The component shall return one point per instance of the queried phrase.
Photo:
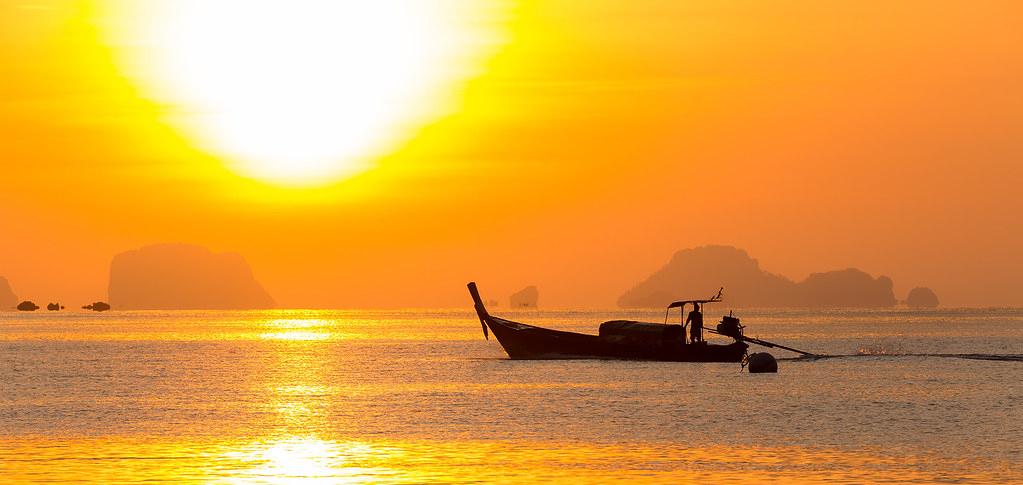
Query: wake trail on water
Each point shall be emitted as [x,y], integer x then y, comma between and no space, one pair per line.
[993,357]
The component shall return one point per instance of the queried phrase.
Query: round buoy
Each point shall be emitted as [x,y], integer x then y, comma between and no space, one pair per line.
[762,362]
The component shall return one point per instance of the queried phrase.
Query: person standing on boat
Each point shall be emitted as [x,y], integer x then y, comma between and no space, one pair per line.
[695,322]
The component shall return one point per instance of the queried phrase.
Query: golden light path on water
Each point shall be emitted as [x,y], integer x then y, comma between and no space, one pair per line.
[301,92]
[312,460]
[318,397]
[297,329]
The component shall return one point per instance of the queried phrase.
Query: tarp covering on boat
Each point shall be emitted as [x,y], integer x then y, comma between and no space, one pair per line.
[641,330]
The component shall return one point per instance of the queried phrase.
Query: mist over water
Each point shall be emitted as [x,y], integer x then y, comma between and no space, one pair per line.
[418,396]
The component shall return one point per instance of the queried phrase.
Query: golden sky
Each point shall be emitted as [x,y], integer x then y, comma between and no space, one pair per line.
[571,145]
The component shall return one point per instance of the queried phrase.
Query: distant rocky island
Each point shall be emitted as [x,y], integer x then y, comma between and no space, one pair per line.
[701,271]
[97,306]
[182,276]
[922,297]
[7,297]
[525,298]
[27,306]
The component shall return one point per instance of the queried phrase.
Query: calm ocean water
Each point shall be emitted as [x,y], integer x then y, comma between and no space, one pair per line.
[418,396]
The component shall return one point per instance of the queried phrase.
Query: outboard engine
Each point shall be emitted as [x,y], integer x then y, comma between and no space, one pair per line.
[730,326]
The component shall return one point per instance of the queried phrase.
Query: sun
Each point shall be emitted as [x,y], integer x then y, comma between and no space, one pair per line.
[300,92]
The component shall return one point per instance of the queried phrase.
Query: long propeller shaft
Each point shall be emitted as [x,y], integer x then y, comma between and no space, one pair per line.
[765,343]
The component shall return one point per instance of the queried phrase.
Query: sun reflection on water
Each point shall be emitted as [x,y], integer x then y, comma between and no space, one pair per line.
[296,336]
[298,393]
[306,460]
[297,329]
[310,459]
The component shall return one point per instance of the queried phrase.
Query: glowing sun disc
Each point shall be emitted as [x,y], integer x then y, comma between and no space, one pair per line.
[299,92]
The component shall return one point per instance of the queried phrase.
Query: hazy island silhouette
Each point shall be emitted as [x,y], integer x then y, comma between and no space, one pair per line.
[922,297]
[184,277]
[175,276]
[8,299]
[701,270]
[525,298]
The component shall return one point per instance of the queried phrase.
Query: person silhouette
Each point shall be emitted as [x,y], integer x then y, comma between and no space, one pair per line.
[695,322]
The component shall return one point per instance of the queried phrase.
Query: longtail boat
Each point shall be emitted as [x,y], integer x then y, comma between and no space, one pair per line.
[617,339]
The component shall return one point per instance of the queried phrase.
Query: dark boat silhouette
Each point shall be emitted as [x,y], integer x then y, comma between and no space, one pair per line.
[618,339]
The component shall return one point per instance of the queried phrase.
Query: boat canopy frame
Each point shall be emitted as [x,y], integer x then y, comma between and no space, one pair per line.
[681,305]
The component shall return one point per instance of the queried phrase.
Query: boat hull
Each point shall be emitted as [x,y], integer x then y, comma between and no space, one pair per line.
[523,341]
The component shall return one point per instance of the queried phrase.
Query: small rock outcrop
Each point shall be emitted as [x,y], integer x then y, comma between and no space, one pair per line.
[184,277]
[525,298]
[701,271]
[97,306]
[922,297]
[27,306]
[7,297]
[53,307]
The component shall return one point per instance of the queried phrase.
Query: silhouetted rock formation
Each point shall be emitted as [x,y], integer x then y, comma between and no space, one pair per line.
[54,307]
[97,306]
[7,297]
[525,298]
[922,297]
[181,276]
[845,288]
[27,306]
[698,272]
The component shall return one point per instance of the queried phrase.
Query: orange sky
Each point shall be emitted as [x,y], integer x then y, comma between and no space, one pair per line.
[601,137]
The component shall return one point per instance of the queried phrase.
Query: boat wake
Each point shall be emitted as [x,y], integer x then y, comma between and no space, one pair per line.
[881,348]
[993,357]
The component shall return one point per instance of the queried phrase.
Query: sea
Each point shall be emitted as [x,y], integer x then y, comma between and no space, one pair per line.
[419,396]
